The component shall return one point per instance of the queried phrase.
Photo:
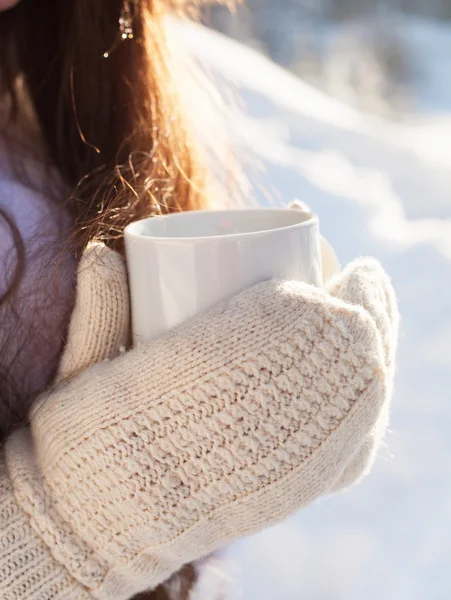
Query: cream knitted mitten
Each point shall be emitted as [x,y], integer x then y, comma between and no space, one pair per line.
[99,325]
[224,426]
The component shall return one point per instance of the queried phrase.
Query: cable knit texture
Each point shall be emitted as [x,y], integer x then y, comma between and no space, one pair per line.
[224,426]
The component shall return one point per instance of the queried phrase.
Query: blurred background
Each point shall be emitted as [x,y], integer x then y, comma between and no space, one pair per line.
[384,56]
[346,105]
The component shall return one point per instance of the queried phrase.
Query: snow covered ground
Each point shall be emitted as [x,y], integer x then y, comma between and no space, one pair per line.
[383,189]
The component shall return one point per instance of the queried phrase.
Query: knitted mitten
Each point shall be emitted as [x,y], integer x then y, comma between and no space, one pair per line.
[224,426]
[99,326]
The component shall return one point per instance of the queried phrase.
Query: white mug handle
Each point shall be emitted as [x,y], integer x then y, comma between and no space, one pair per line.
[331,266]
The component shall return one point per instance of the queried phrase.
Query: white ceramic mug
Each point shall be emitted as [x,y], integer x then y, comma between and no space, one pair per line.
[182,264]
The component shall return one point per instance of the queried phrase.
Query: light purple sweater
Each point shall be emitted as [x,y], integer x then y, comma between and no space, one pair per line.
[33,321]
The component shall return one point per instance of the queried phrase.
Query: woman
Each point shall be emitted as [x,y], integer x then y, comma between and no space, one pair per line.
[118,468]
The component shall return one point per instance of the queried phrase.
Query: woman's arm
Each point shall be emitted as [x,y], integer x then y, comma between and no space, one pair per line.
[226,425]
[98,330]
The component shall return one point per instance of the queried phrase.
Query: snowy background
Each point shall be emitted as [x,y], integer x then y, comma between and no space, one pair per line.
[378,174]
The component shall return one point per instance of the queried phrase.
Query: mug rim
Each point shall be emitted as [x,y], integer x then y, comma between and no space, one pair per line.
[310,219]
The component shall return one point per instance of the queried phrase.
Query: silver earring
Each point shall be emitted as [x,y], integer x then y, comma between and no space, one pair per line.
[125,27]
[126,22]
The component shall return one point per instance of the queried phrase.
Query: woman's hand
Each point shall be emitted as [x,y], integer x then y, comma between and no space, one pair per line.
[224,426]
[100,322]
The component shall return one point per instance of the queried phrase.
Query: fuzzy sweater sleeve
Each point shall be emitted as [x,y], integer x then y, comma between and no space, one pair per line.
[27,568]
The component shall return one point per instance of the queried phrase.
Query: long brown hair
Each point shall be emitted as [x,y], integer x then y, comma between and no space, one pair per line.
[111,125]
[109,118]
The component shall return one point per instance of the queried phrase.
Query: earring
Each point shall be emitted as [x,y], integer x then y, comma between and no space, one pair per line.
[125,27]
[126,22]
